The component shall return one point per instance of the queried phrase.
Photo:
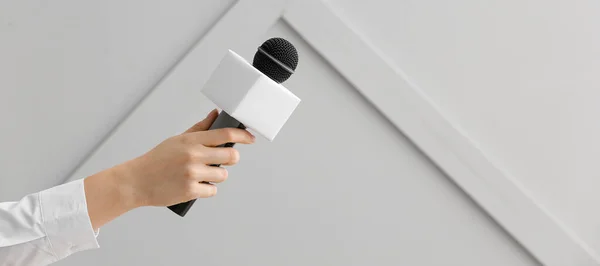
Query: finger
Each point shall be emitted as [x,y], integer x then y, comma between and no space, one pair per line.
[211,174]
[204,190]
[204,124]
[221,155]
[220,136]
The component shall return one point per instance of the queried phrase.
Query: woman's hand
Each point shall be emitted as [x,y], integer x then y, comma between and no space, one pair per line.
[170,173]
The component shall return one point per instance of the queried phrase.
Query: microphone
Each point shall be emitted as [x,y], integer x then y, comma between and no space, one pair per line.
[251,96]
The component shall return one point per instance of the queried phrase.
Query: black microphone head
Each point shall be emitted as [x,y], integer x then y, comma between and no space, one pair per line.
[276,58]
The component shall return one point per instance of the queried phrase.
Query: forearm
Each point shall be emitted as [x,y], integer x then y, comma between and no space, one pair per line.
[50,225]
[109,195]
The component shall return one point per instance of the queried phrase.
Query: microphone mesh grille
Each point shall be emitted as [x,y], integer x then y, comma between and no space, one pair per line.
[283,51]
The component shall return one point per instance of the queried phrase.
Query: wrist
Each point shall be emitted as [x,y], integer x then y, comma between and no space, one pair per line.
[123,178]
[109,195]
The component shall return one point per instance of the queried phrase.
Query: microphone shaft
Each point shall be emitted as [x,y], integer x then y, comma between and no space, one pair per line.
[224,120]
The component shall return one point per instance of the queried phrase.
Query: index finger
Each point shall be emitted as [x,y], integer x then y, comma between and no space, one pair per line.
[215,137]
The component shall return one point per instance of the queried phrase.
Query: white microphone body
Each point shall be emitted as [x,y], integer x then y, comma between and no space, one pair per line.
[250,96]
[249,99]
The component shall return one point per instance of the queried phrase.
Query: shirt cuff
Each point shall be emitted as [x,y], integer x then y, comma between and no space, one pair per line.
[66,219]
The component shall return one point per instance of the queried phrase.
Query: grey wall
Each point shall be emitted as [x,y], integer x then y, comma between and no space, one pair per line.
[520,77]
[71,70]
[351,193]
[354,192]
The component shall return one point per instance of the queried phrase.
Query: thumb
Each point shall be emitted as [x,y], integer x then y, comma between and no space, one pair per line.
[204,124]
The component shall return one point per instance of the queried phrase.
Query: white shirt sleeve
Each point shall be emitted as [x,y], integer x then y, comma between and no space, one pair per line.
[45,227]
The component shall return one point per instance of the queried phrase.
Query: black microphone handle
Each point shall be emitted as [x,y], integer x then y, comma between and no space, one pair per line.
[224,120]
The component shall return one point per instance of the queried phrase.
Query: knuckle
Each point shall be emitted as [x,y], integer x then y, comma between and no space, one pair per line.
[234,156]
[188,157]
[195,154]
[190,172]
[185,139]
[223,173]
[206,191]
[229,133]
[190,191]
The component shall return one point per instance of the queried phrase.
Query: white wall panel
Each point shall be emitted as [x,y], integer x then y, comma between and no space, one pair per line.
[519,77]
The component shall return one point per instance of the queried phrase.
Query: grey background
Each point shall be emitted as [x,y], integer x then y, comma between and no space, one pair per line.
[71,70]
[520,77]
[351,193]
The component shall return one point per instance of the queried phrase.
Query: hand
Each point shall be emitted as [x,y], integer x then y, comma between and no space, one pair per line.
[168,174]
[172,172]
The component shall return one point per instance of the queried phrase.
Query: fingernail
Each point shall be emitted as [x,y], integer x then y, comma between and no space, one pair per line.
[211,112]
